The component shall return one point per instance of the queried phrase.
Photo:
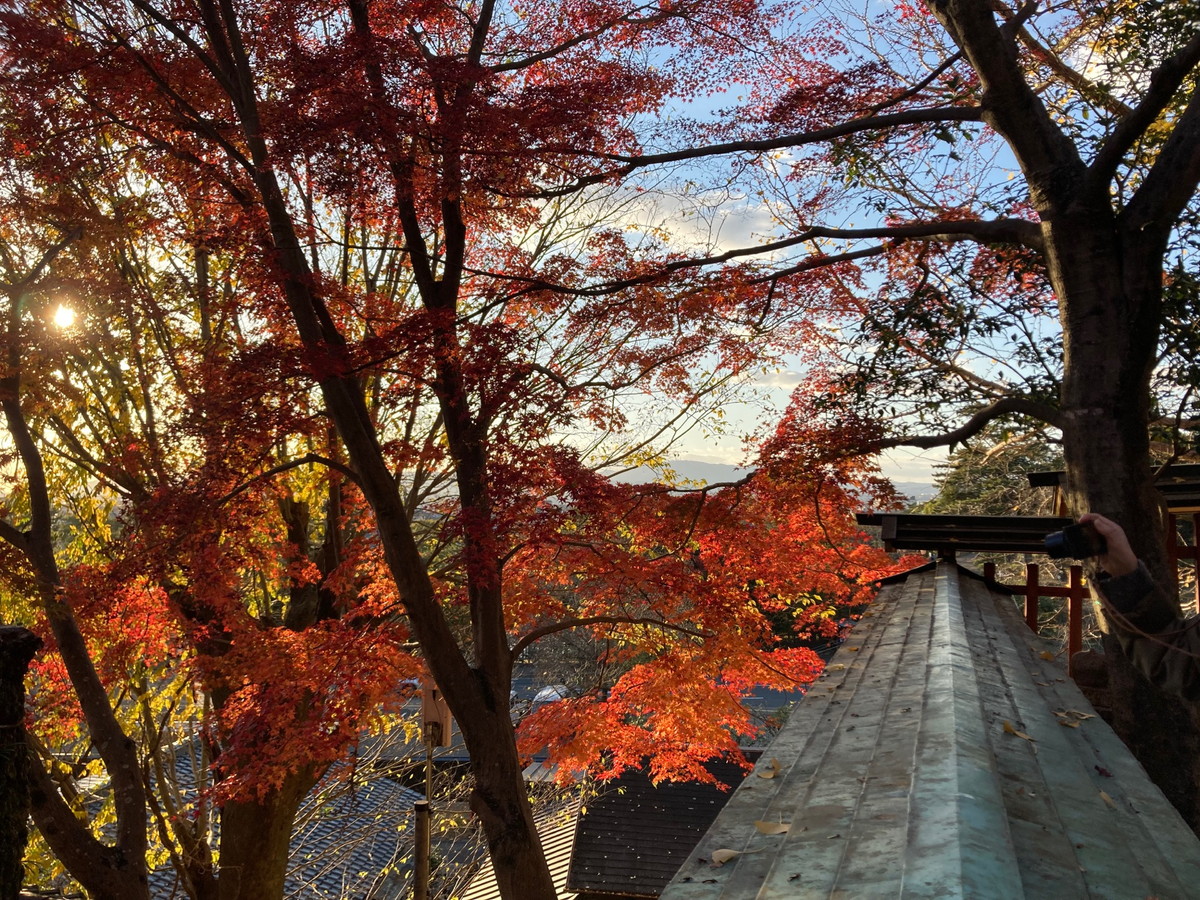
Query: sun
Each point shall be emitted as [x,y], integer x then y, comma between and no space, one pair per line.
[64,316]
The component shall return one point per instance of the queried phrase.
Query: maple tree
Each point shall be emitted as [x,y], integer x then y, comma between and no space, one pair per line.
[178,568]
[1008,192]
[388,308]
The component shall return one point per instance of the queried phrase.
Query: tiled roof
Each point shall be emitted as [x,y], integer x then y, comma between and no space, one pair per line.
[556,828]
[349,842]
[349,837]
[634,835]
[932,761]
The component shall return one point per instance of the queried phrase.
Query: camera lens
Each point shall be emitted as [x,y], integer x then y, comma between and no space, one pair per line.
[1056,546]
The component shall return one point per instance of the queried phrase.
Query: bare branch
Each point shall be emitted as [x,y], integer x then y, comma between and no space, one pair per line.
[567,624]
[293,464]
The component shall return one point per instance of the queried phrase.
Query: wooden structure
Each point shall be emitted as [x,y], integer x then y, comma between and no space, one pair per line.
[948,535]
[944,754]
[1179,487]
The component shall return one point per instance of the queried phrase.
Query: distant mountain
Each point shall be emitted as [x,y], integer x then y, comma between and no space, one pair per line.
[718,473]
[689,469]
[916,491]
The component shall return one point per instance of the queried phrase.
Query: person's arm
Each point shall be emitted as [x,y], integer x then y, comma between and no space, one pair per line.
[1161,645]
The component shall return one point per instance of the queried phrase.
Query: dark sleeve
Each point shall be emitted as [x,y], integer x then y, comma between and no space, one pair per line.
[1161,645]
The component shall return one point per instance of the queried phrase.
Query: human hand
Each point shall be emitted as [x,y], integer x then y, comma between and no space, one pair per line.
[1119,559]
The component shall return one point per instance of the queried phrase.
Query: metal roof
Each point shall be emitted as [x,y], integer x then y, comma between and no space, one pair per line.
[350,834]
[945,754]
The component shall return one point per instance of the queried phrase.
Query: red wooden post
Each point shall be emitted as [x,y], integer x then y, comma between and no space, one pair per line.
[1031,596]
[1173,544]
[1195,558]
[1075,614]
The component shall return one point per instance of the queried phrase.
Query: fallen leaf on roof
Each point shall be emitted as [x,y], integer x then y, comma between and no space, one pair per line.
[1009,729]
[772,770]
[720,857]
[1071,718]
[1046,654]
[1107,799]
[772,827]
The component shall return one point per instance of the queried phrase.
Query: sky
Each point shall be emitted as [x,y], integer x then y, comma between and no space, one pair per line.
[742,225]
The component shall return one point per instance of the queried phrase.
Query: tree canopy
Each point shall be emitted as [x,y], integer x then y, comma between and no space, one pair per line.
[363,324]
[359,336]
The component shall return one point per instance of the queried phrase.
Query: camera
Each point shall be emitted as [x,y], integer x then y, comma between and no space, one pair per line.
[1076,542]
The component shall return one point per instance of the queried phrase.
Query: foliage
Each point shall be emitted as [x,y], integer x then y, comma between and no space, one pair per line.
[351,347]
[988,475]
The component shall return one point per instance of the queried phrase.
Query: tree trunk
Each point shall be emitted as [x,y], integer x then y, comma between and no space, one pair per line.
[17,646]
[1109,293]
[501,801]
[255,840]
[478,697]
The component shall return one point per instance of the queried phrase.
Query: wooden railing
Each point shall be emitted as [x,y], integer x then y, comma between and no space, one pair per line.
[1075,591]
[1177,550]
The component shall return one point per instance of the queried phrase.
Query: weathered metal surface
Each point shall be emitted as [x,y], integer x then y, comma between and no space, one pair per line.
[931,761]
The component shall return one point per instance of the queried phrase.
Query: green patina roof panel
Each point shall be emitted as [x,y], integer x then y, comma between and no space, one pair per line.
[906,773]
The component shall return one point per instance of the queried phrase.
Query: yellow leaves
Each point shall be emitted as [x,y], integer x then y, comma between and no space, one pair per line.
[1047,655]
[772,770]
[1009,729]
[720,857]
[1070,718]
[772,827]
[1109,801]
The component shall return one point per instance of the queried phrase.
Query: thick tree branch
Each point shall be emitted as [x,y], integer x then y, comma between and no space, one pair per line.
[567,624]
[1171,183]
[917,88]
[998,231]
[39,268]
[13,535]
[1052,60]
[1005,406]
[817,136]
[591,34]
[288,466]
[1164,83]
[1009,103]
[117,477]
